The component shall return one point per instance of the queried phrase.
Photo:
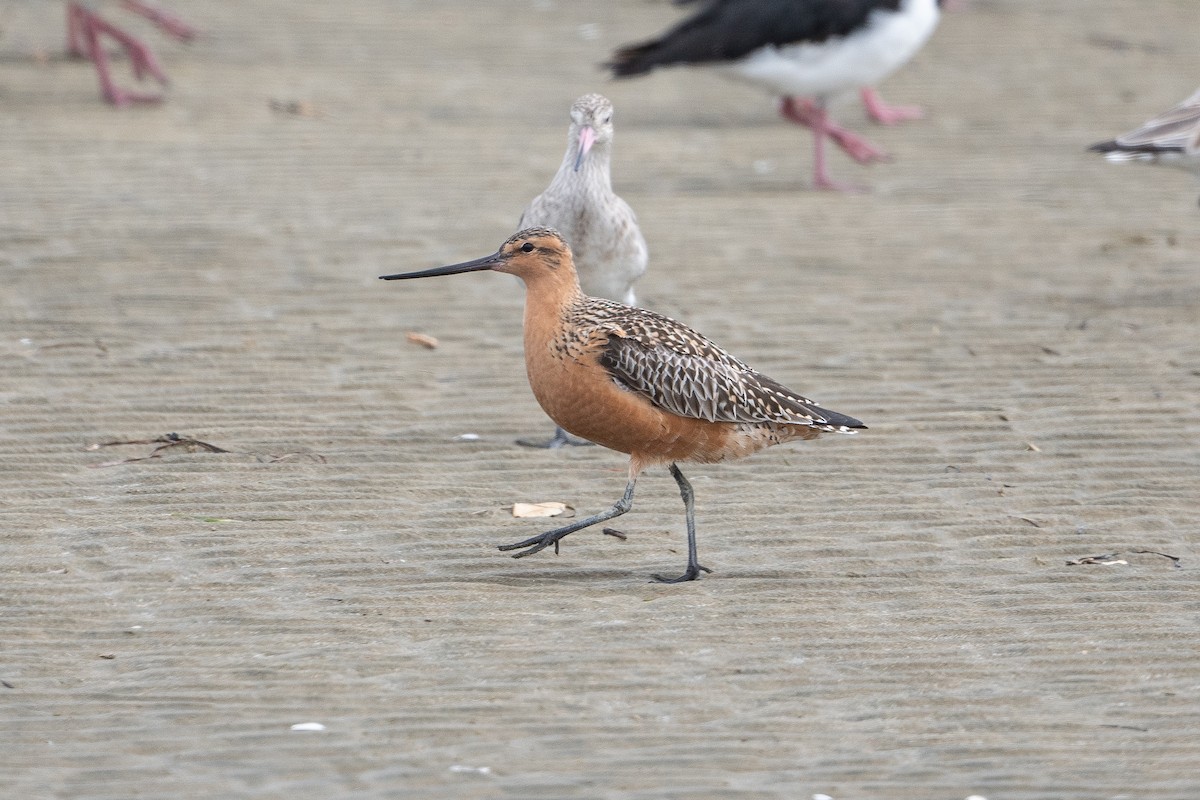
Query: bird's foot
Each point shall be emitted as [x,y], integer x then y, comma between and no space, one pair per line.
[855,146]
[692,573]
[84,29]
[827,184]
[165,20]
[803,111]
[561,439]
[535,544]
[884,114]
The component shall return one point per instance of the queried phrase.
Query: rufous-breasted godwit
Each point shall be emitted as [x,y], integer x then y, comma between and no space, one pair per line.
[610,252]
[85,27]
[805,52]
[638,382]
[1172,138]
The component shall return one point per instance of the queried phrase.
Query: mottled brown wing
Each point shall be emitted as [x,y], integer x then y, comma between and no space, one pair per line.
[682,372]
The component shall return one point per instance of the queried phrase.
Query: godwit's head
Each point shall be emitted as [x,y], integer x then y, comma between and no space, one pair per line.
[591,125]
[538,256]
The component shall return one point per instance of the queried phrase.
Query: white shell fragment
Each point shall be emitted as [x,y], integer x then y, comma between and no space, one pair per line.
[476,770]
[423,339]
[551,509]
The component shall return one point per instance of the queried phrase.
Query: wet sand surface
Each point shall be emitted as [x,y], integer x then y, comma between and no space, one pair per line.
[890,615]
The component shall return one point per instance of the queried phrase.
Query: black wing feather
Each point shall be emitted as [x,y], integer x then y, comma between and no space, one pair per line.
[725,30]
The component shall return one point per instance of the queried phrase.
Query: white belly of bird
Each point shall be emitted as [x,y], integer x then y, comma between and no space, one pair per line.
[863,58]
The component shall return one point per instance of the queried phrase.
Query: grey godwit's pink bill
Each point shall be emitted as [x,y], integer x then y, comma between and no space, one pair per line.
[587,138]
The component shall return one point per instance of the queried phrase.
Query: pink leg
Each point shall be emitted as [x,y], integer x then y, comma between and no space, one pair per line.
[84,28]
[813,115]
[170,23]
[810,115]
[821,178]
[76,42]
[884,114]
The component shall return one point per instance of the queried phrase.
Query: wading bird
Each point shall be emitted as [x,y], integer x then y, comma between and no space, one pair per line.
[638,382]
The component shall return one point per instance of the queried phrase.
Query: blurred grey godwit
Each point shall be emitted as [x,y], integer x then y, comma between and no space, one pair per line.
[85,27]
[610,252]
[1172,138]
[797,50]
[638,382]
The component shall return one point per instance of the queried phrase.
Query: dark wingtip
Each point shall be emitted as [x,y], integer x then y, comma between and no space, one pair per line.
[630,60]
[841,421]
[1104,147]
[619,68]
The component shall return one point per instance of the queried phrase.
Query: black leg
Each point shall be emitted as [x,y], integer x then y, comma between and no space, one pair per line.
[693,568]
[542,541]
[561,439]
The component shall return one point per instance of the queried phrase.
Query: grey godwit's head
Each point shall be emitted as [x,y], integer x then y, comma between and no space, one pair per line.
[535,255]
[591,125]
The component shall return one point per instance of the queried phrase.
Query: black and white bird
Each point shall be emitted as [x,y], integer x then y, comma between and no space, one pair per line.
[806,52]
[1172,139]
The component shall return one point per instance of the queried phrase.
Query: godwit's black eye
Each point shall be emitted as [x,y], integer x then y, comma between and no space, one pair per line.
[527,247]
